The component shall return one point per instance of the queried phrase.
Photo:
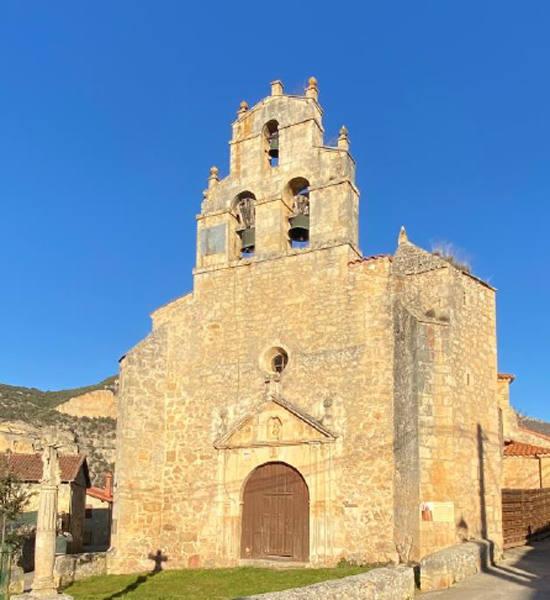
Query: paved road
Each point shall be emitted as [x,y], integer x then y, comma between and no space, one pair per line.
[524,574]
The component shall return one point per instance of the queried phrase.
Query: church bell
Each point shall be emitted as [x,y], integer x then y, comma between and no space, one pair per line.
[274,145]
[248,238]
[299,228]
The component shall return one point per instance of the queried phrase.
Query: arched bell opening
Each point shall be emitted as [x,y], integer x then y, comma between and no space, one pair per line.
[271,142]
[244,211]
[275,516]
[298,231]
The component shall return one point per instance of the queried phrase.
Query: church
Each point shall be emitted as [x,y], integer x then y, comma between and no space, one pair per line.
[304,403]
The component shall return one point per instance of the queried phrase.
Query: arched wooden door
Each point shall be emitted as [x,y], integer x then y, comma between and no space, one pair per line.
[275,522]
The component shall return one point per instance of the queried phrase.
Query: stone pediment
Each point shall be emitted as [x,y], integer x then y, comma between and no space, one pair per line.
[275,423]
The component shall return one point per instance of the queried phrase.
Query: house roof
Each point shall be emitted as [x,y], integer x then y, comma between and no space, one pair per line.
[514,448]
[100,494]
[28,467]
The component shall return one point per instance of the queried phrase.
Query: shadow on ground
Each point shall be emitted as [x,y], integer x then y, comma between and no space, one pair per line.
[524,574]
[158,558]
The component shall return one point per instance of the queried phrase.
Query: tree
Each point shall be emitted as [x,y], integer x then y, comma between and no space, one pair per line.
[13,498]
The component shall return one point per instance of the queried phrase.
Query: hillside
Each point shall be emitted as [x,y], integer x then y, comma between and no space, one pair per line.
[536,425]
[27,415]
[32,399]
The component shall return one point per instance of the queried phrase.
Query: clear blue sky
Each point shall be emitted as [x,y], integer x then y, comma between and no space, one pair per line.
[111,114]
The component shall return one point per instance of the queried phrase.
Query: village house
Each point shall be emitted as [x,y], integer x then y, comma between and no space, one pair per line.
[526,473]
[526,452]
[305,403]
[98,518]
[526,466]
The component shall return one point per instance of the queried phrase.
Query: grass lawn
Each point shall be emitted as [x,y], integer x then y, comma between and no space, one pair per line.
[202,584]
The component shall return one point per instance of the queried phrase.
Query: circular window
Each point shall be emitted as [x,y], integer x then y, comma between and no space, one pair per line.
[274,360]
[279,361]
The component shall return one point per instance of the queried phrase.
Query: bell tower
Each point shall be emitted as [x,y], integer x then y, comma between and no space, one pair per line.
[286,192]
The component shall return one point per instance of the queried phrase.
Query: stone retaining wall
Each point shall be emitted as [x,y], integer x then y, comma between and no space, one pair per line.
[387,583]
[446,567]
[72,567]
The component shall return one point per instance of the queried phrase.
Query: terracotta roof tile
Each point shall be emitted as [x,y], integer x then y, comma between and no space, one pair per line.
[100,494]
[520,449]
[28,467]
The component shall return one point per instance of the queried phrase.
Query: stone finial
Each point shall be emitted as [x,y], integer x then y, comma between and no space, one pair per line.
[343,138]
[222,424]
[273,386]
[213,177]
[402,239]
[312,90]
[243,107]
[327,406]
[277,88]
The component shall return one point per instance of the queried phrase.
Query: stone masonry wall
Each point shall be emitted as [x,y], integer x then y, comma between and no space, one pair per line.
[509,416]
[137,511]
[455,375]
[526,472]
[335,327]
[406,432]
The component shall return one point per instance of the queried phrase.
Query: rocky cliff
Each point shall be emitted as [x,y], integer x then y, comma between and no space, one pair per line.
[28,415]
[94,404]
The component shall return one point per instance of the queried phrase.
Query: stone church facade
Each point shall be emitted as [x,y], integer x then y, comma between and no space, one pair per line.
[305,403]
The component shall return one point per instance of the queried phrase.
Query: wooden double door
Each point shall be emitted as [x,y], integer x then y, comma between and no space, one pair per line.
[275,521]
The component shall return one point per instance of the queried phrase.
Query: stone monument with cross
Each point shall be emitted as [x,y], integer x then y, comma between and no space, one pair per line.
[44,584]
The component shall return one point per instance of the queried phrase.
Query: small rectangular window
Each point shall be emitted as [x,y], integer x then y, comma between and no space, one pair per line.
[501,427]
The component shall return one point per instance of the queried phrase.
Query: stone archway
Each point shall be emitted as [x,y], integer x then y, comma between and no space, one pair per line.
[275,516]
